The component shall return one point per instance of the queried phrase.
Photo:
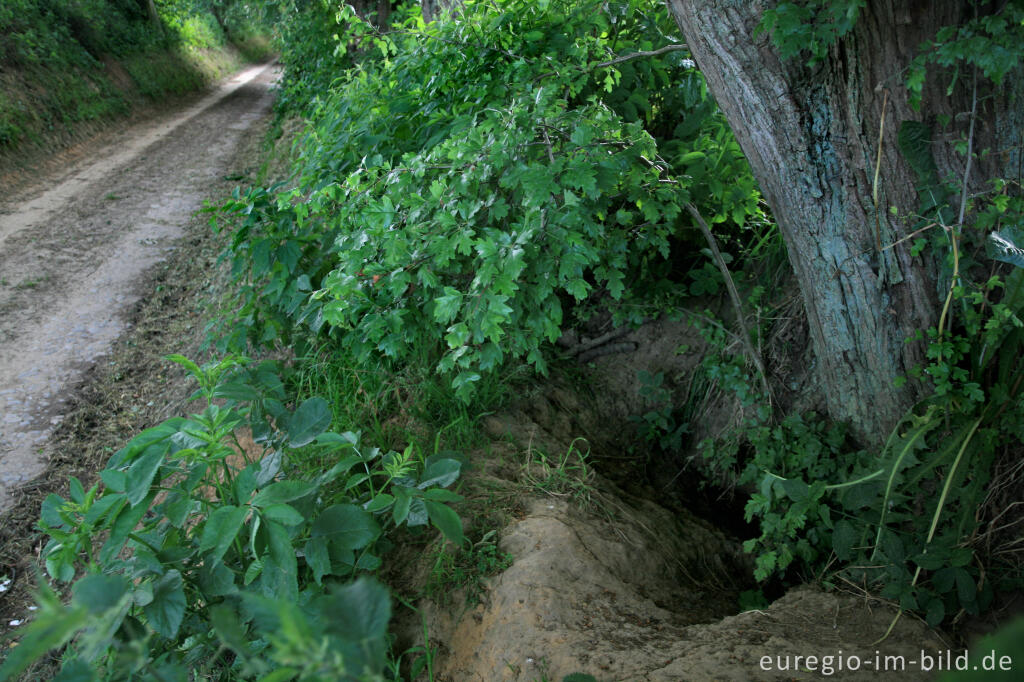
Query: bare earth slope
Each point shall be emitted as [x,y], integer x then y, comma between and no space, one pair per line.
[72,256]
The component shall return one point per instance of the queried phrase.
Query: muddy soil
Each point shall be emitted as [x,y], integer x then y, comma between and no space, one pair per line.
[73,256]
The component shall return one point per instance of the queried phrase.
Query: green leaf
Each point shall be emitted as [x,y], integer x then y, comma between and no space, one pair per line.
[142,472]
[966,589]
[167,609]
[122,527]
[188,364]
[317,558]
[441,495]
[447,307]
[843,538]
[230,629]
[312,418]
[51,509]
[285,514]
[1005,245]
[283,491]
[346,526]
[220,531]
[49,631]
[236,391]
[440,472]
[145,440]
[795,489]
[279,579]
[403,500]
[379,503]
[359,610]
[930,561]
[216,580]
[253,571]
[418,515]
[892,547]
[99,592]
[446,520]
[75,670]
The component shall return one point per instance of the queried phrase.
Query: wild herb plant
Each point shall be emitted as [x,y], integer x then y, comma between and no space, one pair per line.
[196,553]
[903,520]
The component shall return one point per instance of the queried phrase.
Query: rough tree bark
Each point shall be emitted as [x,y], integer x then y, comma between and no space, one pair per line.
[375,11]
[154,18]
[432,8]
[811,136]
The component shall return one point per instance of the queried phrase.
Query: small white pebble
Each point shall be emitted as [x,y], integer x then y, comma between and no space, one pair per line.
[14,623]
[529,660]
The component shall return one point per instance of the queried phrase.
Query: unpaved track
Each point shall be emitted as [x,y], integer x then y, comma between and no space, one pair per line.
[72,257]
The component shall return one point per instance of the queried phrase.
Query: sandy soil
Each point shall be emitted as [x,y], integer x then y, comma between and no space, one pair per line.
[74,252]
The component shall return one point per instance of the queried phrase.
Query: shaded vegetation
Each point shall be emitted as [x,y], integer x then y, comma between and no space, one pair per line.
[69,63]
[466,191]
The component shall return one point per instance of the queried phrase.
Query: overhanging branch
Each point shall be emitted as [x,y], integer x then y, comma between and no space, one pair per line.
[638,55]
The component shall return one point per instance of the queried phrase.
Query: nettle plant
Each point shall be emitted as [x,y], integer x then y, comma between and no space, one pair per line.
[198,554]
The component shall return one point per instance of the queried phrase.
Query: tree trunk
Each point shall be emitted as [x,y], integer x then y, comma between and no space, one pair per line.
[432,8]
[374,11]
[154,18]
[811,135]
[217,10]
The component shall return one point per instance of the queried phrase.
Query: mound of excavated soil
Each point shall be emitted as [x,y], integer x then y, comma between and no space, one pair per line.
[622,588]
[621,601]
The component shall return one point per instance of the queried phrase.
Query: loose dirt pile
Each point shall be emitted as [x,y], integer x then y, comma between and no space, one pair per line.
[612,584]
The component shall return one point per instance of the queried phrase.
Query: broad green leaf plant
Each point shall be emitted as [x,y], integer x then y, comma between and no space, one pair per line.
[194,553]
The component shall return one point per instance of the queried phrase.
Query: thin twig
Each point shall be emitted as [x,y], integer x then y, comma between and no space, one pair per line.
[730,285]
[909,236]
[604,338]
[638,55]
[878,168]
[970,149]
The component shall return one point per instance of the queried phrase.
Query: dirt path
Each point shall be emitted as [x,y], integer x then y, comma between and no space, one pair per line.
[72,256]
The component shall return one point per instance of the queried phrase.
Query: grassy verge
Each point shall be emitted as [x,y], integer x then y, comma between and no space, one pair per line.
[45,109]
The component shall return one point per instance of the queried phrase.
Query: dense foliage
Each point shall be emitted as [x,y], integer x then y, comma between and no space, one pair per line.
[58,54]
[195,546]
[465,190]
[488,176]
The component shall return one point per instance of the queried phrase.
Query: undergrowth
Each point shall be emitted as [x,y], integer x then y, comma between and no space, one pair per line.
[63,62]
[466,190]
